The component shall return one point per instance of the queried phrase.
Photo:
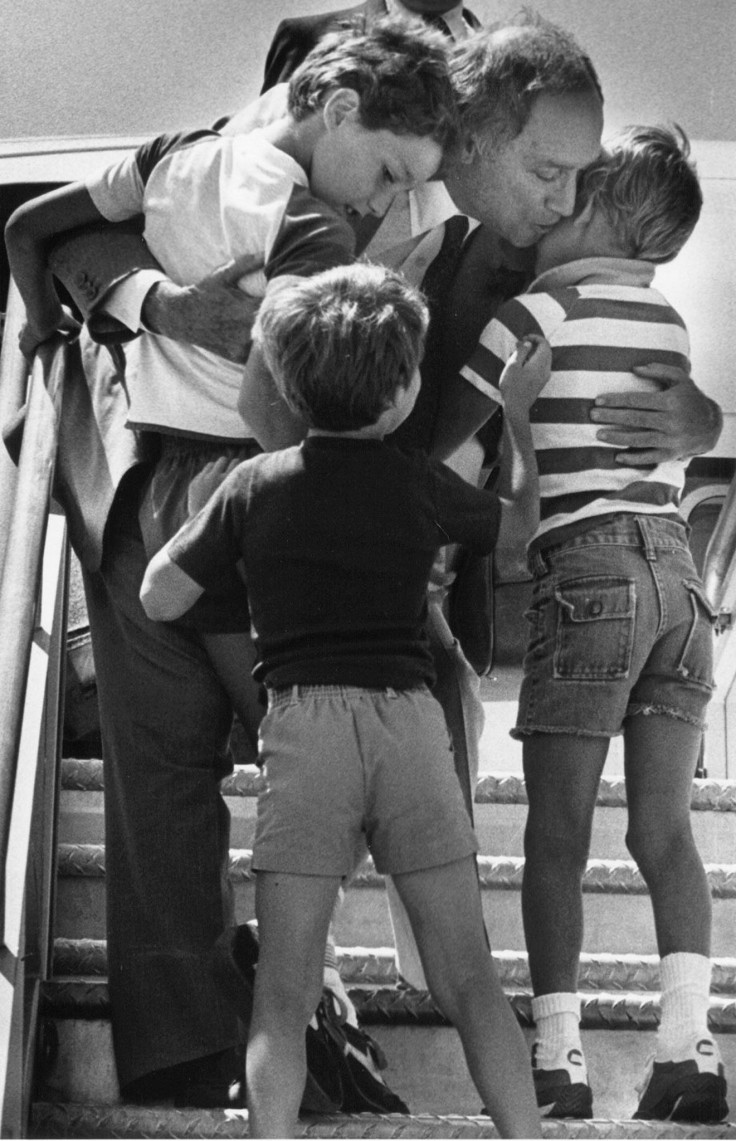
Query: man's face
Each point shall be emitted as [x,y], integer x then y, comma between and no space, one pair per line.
[357,170]
[523,187]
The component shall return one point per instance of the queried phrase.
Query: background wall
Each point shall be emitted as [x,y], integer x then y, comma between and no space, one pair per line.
[134,67]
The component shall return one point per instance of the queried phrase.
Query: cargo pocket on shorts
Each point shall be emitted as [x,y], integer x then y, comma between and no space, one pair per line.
[595,628]
[696,661]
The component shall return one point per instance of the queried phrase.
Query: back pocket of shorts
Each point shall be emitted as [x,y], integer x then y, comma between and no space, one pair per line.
[595,628]
[696,661]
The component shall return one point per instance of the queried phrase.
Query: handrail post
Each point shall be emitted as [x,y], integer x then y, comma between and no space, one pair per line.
[13,382]
[721,550]
[22,570]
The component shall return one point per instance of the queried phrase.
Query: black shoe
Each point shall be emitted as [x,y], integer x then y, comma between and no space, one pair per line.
[691,1088]
[562,1090]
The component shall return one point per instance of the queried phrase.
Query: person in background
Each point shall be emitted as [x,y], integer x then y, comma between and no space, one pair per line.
[621,628]
[295,37]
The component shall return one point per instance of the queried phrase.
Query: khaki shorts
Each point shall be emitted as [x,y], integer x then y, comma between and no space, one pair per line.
[345,766]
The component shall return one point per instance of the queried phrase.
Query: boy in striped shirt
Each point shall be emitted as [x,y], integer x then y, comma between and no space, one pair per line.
[621,630]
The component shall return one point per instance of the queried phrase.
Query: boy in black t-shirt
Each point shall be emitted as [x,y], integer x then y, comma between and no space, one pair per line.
[337,538]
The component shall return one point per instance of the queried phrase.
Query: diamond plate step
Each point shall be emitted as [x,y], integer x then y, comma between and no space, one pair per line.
[52,1120]
[617,910]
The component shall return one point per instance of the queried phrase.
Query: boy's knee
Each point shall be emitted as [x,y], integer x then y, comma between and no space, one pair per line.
[658,849]
[563,842]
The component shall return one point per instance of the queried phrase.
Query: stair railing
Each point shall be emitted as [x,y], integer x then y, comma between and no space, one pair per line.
[33,574]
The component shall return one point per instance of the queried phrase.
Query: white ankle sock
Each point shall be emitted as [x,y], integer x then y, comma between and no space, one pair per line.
[685,982]
[557,1017]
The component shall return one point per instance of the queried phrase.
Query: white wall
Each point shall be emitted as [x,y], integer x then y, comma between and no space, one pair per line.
[132,67]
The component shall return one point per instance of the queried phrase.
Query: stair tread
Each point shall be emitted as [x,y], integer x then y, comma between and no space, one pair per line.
[499,872]
[709,794]
[63,1119]
[376,966]
[88,999]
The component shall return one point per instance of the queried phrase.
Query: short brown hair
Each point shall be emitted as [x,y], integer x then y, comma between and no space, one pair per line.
[400,70]
[340,344]
[648,189]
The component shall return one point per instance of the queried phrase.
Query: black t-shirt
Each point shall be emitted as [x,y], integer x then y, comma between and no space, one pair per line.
[337,538]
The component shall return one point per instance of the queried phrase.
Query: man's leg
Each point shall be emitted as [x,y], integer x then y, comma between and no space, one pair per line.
[165,723]
[293,915]
[562,774]
[661,755]
[444,906]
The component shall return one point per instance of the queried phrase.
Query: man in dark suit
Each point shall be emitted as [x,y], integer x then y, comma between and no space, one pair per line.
[296,37]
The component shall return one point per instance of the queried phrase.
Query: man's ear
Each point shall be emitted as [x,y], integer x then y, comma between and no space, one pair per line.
[340,104]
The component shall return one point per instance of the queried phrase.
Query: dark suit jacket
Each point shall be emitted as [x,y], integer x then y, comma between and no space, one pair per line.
[295,38]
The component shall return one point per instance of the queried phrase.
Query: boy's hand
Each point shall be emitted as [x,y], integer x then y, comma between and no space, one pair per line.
[33,335]
[674,423]
[526,373]
[213,314]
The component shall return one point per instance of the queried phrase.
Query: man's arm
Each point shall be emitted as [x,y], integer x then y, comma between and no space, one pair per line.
[167,591]
[675,423]
[28,233]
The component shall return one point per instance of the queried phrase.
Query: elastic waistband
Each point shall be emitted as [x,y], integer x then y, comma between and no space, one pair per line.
[288,694]
[650,533]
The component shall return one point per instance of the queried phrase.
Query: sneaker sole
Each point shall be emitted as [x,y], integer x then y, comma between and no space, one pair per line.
[572,1101]
[700,1097]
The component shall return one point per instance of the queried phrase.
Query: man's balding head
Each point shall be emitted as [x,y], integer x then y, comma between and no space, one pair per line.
[531,113]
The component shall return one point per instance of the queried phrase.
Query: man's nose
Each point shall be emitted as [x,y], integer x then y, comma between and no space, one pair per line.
[380,200]
[562,198]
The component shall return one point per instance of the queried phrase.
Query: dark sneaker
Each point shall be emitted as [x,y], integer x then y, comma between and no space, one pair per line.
[692,1087]
[361,1062]
[562,1088]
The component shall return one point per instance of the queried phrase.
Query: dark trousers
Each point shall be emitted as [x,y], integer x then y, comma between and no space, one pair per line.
[165,725]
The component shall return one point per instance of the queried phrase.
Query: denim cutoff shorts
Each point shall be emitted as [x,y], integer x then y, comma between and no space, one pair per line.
[344,766]
[619,625]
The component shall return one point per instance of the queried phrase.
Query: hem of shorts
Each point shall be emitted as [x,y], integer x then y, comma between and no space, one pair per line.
[425,864]
[288,868]
[655,709]
[520,731]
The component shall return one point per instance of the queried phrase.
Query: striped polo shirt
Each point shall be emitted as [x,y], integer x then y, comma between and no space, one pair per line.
[207,199]
[602,317]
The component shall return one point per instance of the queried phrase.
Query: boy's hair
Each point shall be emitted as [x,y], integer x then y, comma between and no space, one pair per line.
[400,70]
[340,344]
[500,72]
[647,189]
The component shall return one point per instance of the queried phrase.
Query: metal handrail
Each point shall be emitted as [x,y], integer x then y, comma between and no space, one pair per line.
[13,382]
[21,573]
[721,551]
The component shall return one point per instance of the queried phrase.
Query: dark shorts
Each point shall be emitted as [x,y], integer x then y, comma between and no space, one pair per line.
[620,624]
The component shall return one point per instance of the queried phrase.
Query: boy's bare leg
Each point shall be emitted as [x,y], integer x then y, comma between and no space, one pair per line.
[293,915]
[660,756]
[562,774]
[444,907]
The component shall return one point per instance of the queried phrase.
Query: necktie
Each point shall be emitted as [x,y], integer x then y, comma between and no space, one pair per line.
[418,429]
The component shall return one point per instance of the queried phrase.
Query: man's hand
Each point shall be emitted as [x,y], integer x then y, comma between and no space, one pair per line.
[213,314]
[672,424]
